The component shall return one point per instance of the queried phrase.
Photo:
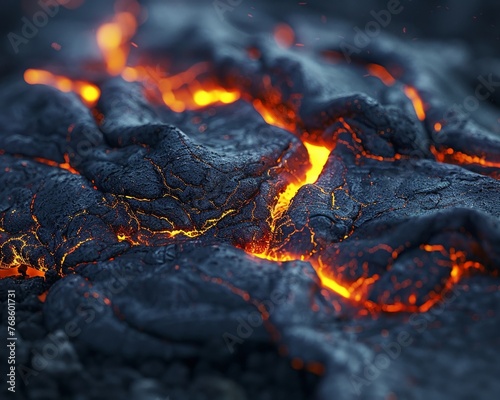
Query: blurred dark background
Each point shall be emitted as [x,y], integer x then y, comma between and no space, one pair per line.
[475,22]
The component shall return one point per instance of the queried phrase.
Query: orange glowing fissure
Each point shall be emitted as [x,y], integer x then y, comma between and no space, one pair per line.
[318,156]
[182,91]
[356,291]
[459,267]
[415,98]
[456,260]
[276,114]
[16,271]
[444,155]
[88,92]
[191,90]
[457,157]
[386,77]
[381,73]
[65,165]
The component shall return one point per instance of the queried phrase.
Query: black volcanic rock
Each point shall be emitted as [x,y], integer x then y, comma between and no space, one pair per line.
[139,220]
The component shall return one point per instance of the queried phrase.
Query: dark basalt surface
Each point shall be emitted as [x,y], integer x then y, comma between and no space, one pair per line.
[139,216]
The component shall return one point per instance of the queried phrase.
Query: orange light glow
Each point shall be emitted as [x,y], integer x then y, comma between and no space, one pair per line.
[113,38]
[274,109]
[452,156]
[203,98]
[355,291]
[109,36]
[87,91]
[16,271]
[460,266]
[90,93]
[43,296]
[437,126]
[65,165]
[284,35]
[381,73]
[182,91]
[418,104]
[318,156]
[331,283]
[271,116]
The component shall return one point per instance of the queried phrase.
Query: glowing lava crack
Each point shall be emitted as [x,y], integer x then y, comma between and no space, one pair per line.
[288,160]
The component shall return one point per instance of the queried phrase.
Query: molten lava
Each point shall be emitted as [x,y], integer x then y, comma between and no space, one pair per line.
[65,165]
[318,156]
[88,92]
[196,88]
[452,156]
[284,35]
[183,91]
[381,73]
[388,79]
[415,98]
[114,37]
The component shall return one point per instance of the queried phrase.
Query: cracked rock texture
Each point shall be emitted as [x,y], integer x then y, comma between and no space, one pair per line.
[129,225]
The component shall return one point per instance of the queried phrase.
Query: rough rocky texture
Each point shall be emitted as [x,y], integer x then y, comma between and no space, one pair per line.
[140,220]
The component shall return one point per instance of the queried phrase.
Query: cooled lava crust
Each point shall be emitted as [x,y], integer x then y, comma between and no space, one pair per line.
[277,240]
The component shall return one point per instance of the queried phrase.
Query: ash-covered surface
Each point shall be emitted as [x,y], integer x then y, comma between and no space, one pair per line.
[144,223]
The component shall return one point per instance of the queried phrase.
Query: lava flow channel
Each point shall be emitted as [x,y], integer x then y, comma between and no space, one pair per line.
[87,91]
[194,89]
[318,156]
[183,91]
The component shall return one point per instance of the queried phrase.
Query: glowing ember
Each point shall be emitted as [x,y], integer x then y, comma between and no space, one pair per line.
[183,91]
[330,283]
[381,73]
[65,165]
[113,39]
[418,104]
[196,88]
[284,35]
[273,109]
[459,267]
[87,91]
[318,156]
[386,77]
[16,271]
[457,157]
